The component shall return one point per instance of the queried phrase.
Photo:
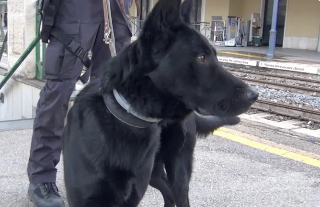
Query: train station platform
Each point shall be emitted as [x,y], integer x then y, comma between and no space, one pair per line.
[304,61]
[251,164]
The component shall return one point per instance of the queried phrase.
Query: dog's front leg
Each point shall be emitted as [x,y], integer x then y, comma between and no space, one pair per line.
[179,169]
[179,174]
[159,181]
[141,182]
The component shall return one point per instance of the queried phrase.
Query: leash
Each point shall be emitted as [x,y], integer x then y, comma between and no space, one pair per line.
[125,113]
[108,36]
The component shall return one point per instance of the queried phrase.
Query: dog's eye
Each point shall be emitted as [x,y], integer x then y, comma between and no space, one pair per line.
[201,58]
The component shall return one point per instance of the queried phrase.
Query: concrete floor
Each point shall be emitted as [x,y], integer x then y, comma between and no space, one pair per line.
[226,173]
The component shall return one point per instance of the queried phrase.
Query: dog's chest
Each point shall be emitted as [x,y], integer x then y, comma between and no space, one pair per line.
[137,146]
[151,141]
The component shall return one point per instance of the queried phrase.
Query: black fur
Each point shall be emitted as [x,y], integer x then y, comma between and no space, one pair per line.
[169,72]
[173,164]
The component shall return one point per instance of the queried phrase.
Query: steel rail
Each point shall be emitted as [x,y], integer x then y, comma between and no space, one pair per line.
[311,90]
[287,110]
[277,76]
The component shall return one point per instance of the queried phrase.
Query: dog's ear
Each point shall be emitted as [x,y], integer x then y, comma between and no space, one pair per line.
[164,15]
[169,11]
[186,10]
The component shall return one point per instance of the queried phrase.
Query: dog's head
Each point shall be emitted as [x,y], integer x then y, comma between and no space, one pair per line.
[187,66]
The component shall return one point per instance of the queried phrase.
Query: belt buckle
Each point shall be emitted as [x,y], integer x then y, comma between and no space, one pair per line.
[75,48]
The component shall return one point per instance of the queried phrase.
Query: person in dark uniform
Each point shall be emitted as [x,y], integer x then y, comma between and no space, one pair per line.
[84,21]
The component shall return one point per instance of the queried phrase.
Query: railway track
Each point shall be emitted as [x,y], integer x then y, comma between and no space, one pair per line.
[314,89]
[287,110]
[276,76]
[281,108]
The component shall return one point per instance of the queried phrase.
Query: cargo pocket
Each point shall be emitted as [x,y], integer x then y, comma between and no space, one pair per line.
[58,58]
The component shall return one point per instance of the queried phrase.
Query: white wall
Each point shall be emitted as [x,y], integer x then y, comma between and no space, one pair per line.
[21,32]
[302,24]
[20,100]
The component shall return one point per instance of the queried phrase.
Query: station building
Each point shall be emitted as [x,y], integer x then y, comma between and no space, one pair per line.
[298,21]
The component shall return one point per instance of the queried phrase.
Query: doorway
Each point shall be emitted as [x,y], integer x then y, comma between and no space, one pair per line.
[281,16]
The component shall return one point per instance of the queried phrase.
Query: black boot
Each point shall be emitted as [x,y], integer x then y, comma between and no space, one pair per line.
[45,195]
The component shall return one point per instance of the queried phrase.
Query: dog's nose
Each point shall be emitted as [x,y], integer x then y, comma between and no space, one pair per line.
[251,94]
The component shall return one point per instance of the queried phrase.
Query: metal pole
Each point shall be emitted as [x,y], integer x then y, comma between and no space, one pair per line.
[273,31]
[40,58]
[38,72]
[3,45]
[318,46]
[19,61]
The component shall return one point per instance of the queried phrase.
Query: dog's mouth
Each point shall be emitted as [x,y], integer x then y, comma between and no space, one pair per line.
[220,108]
[202,111]
[224,105]
[224,108]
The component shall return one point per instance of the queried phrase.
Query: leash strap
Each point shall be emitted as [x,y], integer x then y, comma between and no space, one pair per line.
[108,37]
[126,114]
[75,48]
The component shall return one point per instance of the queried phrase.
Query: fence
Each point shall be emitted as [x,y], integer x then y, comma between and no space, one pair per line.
[34,44]
[203,27]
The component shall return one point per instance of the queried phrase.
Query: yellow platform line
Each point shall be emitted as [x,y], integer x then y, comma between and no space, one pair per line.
[247,55]
[281,150]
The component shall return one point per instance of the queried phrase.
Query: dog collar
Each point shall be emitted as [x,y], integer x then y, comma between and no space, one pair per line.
[128,116]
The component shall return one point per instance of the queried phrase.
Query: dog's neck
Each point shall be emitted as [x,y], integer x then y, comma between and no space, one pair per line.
[127,74]
[147,105]
[153,103]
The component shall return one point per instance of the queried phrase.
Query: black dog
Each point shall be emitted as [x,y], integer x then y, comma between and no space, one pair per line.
[178,140]
[173,164]
[113,130]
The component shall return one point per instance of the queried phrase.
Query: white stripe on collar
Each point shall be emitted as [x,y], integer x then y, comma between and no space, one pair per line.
[124,104]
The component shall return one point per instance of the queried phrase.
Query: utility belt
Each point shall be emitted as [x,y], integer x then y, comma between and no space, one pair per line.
[48,9]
